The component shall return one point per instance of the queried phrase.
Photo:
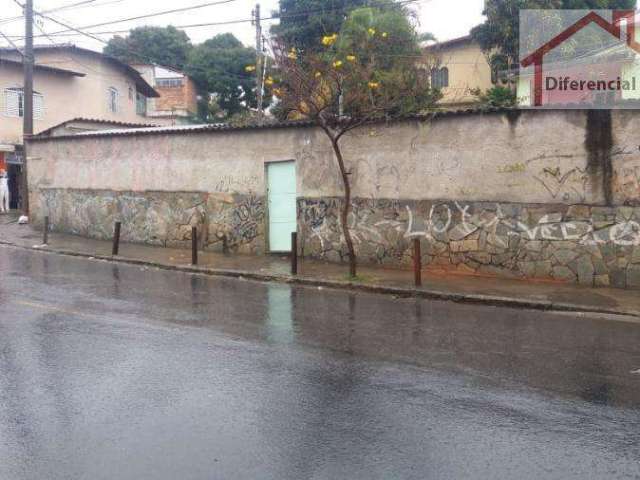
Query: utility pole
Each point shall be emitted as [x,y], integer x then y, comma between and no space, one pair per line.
[27,100]
[260,58]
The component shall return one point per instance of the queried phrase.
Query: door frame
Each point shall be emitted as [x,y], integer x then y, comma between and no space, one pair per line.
[267,228]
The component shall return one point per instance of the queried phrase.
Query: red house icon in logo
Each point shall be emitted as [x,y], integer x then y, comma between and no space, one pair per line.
[614,28]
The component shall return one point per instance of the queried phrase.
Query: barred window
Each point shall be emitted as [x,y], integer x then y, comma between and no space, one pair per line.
[14,103]
[112,99]
[440,77]
[169,82]
[141,104]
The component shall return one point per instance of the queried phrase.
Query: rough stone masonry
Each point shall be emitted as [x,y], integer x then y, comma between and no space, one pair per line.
[531,194]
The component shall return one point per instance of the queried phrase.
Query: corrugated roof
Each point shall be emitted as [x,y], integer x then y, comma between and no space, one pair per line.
[43,68]
[140,82]
[97,120]
[222,127]
[449,43]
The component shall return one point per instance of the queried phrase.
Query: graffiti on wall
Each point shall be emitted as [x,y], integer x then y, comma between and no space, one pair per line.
[455,221]
[236,222]
[574,243]
[247,219]
[237,183]
[550,227]
[321,218]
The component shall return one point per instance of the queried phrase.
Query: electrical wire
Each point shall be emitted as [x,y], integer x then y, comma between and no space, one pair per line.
[152,15]
[70,59]
[52,10]
[92,35]
[12,44]
[138,54]
[65,33]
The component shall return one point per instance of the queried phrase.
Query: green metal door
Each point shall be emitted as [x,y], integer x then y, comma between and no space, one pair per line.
[282,205]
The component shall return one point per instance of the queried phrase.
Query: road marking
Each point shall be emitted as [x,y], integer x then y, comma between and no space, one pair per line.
[52,308]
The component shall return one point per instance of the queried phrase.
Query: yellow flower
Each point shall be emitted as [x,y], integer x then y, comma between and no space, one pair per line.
[385,34]
[250,68]
[318,74]
[277,92]
[329,40]
[351,58]
[292,55]
[372,31]
[374,85]
[269,81]
[337,63]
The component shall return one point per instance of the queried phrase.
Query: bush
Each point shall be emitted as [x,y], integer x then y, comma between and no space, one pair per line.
[496,97]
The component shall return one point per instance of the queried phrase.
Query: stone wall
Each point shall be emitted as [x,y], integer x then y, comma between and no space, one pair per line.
[225,221]
[532,194]
[595,246]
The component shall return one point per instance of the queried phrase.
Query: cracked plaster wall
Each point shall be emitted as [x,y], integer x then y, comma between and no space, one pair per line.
[540,194]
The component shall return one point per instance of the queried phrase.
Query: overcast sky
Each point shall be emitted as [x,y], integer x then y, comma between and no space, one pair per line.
[445,18]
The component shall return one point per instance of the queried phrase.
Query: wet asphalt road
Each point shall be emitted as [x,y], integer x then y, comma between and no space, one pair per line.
[119,372]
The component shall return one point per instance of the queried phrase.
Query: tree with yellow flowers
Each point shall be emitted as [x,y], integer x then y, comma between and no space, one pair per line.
[356,78]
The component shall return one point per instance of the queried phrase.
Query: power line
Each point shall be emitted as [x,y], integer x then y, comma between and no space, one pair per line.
[70,6]
[222,23]
[132,52]
[150,15]
[12,44]
[73,60]
[52,10]
[92,35]
[115,32]
[66,25]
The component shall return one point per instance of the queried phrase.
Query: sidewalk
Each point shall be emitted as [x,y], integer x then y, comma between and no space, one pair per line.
[437,285]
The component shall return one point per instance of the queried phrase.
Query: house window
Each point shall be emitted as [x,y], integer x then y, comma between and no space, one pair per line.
[169,82]
[439,77]
[112,97]
[141,104]
[130,93]
[14,103]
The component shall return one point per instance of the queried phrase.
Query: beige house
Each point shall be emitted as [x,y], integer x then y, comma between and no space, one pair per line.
[69,83]
[459,66]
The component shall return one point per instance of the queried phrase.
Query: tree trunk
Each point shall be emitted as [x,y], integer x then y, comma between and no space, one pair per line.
[346,208]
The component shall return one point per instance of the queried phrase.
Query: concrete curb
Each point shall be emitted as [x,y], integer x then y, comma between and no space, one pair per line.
[430,294]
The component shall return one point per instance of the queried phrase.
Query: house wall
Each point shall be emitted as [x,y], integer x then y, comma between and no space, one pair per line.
[532,194]
[67,97]
[51,86]
[468,70]
[183,99]
[175,105]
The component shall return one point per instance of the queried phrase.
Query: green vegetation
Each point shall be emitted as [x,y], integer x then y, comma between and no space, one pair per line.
[366,72]
[218,66]
[500,34]
[164,46]
[496,97]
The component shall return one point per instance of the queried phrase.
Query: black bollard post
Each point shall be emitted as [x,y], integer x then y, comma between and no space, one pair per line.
[294,253]
[116,239]
[225,245]
[194,245]
[45,233]
[417,262]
